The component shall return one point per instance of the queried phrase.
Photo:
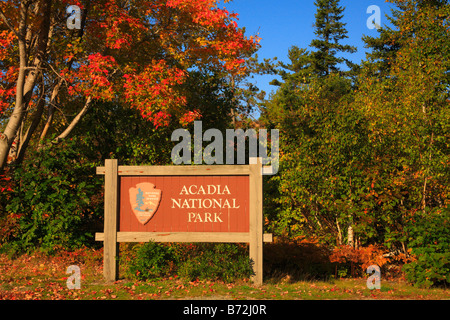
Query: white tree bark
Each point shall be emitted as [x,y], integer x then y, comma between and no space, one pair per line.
[28,74]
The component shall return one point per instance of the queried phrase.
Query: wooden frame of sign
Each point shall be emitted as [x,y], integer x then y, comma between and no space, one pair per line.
[252,232]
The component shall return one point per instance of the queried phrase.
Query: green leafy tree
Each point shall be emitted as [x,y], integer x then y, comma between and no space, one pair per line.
[358,165]
[404,94]
[430,244]
[323,140]
[321,137]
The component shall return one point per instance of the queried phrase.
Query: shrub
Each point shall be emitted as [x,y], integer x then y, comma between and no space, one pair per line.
[226,262]
[8,222]
[429,241]
[50,203]
[355,261]
[203,261]
[151,260]
[297,259]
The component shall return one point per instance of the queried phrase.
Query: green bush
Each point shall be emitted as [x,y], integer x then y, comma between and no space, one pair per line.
[203,261]
[53,204]
[226,262]
[429,239]
[152,260]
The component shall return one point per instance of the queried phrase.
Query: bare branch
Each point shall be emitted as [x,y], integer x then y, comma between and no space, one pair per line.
[74,122]
[56,72]
[5,20]
[56,107]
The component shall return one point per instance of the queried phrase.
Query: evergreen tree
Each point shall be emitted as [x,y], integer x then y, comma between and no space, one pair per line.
[304,64]
[329,31]
[383,49]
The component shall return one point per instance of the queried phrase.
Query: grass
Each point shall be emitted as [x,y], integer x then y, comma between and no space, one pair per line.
[40,277]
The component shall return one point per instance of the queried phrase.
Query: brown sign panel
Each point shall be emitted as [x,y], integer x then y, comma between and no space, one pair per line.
[184,204]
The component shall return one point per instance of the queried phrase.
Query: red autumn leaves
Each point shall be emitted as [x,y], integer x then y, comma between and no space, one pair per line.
[138,56]
[154,102]
[91,79]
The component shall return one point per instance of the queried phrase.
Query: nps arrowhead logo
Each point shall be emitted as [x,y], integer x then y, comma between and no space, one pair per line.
[144,199]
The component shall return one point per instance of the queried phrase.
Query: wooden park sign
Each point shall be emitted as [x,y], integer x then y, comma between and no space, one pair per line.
[220,203]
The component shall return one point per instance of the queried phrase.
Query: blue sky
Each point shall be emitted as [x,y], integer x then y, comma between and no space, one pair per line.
[283,23]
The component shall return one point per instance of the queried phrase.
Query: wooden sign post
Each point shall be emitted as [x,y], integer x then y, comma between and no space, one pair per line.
[221,203]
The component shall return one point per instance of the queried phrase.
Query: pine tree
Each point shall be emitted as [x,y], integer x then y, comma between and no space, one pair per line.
[305,65]
[385,46]
[330,31]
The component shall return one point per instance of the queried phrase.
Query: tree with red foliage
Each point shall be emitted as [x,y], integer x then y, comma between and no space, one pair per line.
[136,53]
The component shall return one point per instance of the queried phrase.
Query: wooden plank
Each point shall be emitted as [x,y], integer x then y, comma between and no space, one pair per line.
[110,224]
[256,219]
[225,237]
[180,170]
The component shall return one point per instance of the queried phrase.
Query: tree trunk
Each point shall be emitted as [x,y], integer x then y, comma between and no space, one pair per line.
[425,180]
[12,154]
[25,82]
[351,236]
[10,132]
[339,232]
[51,112]
[34,124]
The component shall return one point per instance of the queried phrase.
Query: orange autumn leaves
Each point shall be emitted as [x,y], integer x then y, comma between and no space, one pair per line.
[187,34]
[139,55]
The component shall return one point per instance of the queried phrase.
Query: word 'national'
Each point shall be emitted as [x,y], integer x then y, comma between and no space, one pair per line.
[204,203]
